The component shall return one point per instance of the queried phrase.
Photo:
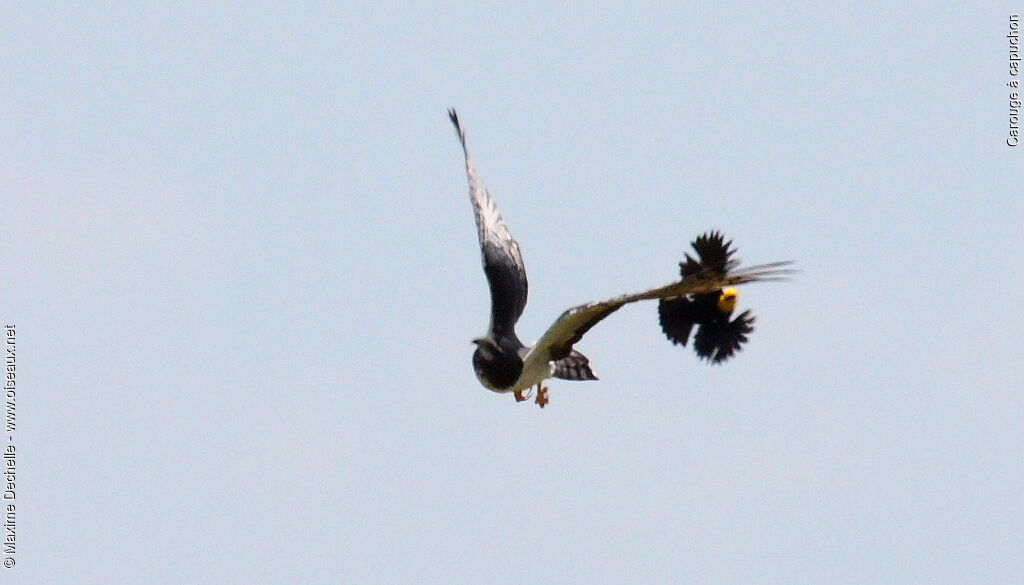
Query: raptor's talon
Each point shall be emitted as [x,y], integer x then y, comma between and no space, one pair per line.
[521,396]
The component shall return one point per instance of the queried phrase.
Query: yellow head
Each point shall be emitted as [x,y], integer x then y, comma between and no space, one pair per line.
[727,300]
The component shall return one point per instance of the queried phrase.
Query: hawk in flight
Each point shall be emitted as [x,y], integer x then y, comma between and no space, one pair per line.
[704,296]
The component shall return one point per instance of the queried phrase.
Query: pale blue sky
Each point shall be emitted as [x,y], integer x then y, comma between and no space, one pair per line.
[238,249]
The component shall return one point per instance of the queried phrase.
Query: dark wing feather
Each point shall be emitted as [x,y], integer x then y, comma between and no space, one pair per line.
[676,317]
[717,342]
[503,264]
[714,257]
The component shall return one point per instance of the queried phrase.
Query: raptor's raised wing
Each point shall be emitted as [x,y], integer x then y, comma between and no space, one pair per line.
[503,264]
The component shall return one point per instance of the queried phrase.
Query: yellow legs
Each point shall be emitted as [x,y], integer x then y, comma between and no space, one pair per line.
[542,395]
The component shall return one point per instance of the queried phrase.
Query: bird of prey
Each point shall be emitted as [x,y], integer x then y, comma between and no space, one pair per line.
[504,364]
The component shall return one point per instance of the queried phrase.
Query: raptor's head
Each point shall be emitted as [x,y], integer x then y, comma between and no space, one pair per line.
[497,369]
[486,347]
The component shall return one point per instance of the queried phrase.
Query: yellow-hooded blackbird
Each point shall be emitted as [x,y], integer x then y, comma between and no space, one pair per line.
[717,337]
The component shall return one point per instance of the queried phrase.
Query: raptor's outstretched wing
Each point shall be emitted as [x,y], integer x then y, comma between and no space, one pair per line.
[572,325]
[503,264]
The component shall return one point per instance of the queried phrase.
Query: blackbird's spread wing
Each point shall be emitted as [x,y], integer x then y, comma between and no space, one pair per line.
[714,256]
[676,317]
[503,264]
[717,342]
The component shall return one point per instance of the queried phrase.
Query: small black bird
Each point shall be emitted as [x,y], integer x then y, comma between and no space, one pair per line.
[717,338]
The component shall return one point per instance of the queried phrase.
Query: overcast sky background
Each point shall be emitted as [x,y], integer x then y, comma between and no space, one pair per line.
[240,257]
